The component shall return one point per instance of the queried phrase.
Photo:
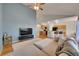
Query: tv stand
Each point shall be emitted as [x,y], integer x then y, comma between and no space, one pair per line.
[25,36]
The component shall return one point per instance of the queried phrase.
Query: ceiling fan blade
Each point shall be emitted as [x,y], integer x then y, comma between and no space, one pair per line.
[42,3]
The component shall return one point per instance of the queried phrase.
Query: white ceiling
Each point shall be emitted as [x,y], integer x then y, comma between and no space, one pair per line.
[61,9]
[66,9]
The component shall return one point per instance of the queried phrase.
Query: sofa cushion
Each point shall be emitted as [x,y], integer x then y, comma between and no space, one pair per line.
[50,49]
[42,43]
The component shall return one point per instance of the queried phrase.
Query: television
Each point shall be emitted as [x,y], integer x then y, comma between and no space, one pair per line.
[25,31]
[54,28]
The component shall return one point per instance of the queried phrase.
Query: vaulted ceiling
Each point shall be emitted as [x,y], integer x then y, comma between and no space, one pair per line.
[60,8]
[52,11]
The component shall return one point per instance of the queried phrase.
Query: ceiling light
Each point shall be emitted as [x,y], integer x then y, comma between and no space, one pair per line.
[48,22]
[56,21]
[36,7]
[38,25]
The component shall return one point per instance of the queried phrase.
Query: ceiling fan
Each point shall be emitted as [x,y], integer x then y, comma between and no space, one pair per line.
[37,6]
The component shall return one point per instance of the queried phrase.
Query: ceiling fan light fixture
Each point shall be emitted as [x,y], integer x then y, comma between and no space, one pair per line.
[36,7]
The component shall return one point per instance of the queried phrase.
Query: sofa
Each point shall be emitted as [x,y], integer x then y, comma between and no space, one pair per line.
[37,47]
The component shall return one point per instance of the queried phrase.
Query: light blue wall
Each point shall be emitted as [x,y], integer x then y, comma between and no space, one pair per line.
[16,16]
[0,26]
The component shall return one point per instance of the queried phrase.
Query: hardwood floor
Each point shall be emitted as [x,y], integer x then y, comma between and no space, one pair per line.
[6,49]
